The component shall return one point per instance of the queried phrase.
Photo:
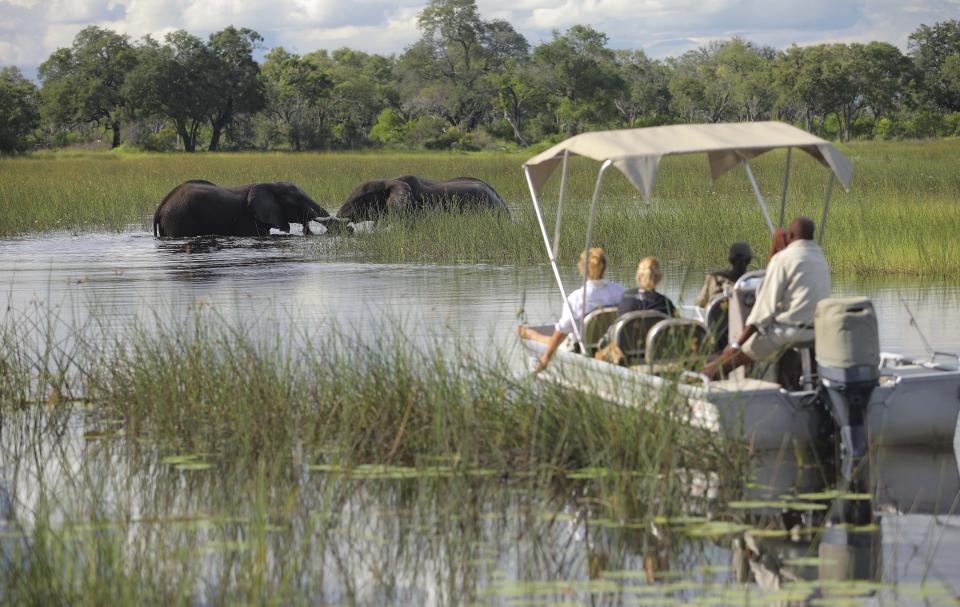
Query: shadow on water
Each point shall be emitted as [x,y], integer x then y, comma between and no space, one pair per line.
[207,258]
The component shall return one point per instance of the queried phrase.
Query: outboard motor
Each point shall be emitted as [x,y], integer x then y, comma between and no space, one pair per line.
[848,362]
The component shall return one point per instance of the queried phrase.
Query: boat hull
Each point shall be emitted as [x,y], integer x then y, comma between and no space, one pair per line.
[913,406]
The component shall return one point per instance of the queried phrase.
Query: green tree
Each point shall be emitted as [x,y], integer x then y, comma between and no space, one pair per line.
[235,78]
[932,47]
[19,114]
[294,87]
[84,84]
[447,71]
[174,80]
[518,98]
[951,74]
[819,81]
[743,74]
[364,84]
[886,77]
[579,73]
[646,93]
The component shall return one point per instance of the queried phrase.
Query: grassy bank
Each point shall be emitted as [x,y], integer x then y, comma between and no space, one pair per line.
[901,216]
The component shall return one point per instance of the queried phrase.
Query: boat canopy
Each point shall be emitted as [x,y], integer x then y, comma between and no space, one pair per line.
[637,152]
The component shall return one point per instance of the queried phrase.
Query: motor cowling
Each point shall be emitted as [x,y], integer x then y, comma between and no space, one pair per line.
[848,363]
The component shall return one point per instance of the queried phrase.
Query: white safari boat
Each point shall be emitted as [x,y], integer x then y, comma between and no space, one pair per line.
[854,390]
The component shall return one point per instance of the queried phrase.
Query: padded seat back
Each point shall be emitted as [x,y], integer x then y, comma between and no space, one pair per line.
[717,317]
[679,340]
[630,332]
[595,326]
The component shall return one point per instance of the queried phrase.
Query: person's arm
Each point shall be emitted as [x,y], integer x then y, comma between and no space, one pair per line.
[703,298]
[778,242]
[746,334]
[555,341]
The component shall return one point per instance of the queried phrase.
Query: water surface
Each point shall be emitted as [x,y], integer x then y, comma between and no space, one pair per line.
[389,539]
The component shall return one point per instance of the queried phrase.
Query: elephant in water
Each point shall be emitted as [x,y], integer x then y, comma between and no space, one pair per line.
[410,194]
[201,208]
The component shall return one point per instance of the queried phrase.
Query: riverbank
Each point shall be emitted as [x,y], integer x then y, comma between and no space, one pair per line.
[901,216]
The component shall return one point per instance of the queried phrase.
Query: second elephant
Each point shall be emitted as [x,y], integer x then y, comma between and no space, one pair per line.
[411,194]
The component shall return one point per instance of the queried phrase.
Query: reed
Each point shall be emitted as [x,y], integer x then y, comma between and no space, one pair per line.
[186,461]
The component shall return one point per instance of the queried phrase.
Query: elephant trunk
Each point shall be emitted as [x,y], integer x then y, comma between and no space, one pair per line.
[335,225]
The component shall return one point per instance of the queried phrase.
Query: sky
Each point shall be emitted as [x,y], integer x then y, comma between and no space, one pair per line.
[32,29]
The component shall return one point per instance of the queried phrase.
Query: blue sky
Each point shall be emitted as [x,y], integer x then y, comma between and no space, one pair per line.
[31,29]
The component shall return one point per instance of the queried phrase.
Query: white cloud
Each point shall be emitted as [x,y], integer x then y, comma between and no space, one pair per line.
[31,29]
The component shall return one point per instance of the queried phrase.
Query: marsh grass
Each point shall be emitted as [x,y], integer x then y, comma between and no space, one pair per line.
[901,216]
[211,466]
[200,385]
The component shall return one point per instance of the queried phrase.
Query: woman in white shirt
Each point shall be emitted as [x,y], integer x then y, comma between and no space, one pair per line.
[600,293]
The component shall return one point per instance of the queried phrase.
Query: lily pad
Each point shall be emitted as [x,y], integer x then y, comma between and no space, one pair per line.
[808,561]
[831,495]
[717,529]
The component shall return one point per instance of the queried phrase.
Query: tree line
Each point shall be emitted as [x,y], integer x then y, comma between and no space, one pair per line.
[467,83]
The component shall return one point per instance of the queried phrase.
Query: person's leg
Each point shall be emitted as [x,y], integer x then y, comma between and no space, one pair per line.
[528,333]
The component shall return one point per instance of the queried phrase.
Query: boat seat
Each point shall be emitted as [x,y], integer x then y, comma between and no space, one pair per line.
[796,368]
[630,332]
[680,341]
[595,326]
[717,316]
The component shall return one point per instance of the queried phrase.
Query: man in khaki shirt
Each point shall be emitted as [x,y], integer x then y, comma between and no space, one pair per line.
[796,279]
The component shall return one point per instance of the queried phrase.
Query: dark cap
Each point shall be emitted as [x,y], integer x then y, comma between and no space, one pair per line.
[740,250]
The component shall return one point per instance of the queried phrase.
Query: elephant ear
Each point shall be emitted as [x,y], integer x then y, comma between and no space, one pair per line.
[400,200]
[265,206]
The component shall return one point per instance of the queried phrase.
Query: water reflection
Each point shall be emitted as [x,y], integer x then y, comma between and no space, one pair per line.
[399,537]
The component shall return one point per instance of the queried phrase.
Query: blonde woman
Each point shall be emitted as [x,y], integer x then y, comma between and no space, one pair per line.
[645,296]
[600,293]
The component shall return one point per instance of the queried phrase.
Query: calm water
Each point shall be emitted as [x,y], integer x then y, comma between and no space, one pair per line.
[394,541]
[119,276]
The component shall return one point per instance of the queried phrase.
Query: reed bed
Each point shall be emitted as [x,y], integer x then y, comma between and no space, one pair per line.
[184,460]
[199,384]
[901,216]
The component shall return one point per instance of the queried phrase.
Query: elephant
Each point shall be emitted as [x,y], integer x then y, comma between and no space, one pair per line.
[201,208]
[410,194]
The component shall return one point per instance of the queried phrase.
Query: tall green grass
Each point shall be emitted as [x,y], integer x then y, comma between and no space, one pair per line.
[201,385]
[215,467]
[902,215]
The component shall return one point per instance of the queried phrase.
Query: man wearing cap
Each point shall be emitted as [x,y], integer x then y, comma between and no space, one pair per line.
[796,279]
[718,283]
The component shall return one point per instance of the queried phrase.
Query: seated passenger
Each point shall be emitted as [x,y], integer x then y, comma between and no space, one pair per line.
[600,293]
[718,283]
[797,278]
[645,296]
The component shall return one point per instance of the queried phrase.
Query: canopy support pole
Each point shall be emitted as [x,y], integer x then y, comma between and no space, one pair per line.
[786,181]
[826,204]
[563,191]
[586,250]
[756,192]
[546,242]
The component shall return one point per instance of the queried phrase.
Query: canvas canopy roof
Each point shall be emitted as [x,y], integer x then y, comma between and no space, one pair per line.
[637,152]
